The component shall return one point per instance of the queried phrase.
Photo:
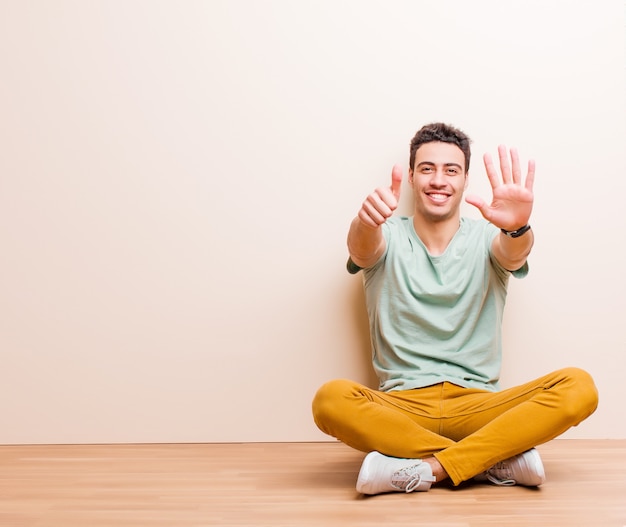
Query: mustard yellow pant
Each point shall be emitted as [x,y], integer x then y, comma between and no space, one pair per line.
[467,430]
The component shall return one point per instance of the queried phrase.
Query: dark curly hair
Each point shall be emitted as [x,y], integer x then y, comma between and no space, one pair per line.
[443,133]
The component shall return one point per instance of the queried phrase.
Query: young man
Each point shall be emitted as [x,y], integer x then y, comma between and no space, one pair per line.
[435,287]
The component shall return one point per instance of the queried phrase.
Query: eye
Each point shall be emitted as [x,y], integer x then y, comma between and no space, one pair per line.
[427,170]
[453,171]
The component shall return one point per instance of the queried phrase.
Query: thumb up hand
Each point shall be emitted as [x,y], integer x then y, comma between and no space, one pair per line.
[381,203]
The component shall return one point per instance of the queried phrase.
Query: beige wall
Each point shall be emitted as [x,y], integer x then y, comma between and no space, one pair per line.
[177,178]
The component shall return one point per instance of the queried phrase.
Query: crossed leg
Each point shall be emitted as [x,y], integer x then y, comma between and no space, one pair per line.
[466,430]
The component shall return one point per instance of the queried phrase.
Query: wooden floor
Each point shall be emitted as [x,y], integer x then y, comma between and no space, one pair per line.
[309,484]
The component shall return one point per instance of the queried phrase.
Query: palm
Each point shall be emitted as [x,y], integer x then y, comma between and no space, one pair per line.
[510,207]
[512,201]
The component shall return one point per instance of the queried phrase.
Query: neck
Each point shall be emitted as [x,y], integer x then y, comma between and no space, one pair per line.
[436,235]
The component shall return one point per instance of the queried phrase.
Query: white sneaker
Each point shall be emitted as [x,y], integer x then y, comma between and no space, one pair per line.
[381,473]
[524,469]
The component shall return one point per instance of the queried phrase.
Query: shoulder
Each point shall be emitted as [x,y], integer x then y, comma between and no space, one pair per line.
[397,228]
[398,224]
[479,226]
[481,235]
[478,232]
[398,233]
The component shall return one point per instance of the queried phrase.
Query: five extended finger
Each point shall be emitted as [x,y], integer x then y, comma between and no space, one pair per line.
[516,171]
[505,167]
[492,174]
[530,177]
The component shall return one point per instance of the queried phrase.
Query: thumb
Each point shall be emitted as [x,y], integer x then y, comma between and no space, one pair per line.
[479,203]
[396,180]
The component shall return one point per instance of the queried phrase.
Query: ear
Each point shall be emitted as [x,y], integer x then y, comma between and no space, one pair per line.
[466,180]
[411,175]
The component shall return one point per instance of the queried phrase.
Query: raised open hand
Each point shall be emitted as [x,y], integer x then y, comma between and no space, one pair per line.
[381,203]
[512,200]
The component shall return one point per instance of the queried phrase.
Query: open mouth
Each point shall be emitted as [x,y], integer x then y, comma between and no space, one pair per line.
[438,197]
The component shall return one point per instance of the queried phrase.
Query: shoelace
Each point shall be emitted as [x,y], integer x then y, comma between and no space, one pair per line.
[407,479]
[495,475]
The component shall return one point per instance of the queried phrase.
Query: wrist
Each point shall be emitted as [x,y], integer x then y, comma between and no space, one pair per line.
[517,232]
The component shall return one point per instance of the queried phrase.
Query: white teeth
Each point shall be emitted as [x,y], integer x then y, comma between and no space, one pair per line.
[438,197]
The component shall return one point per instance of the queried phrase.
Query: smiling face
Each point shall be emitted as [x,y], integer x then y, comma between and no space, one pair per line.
[438,179]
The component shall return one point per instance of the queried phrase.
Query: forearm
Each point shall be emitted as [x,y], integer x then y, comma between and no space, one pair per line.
[512,253]
[366,244]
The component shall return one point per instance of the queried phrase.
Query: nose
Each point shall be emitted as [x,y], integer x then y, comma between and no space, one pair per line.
[438,177]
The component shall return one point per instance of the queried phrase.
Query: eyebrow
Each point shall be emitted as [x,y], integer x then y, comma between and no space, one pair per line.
[445,164]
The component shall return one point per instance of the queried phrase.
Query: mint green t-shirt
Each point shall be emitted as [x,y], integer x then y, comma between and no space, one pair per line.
[437,318]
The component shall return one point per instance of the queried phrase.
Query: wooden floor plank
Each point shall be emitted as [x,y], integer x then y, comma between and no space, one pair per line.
[291,484]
